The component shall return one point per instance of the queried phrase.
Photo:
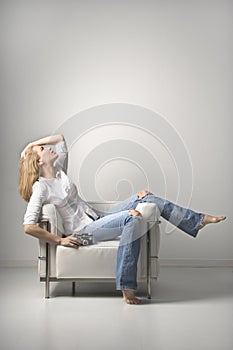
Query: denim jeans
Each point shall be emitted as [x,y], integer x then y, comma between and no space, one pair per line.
[119,222]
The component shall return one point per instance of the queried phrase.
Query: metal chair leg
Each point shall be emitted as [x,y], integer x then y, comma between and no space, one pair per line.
[73,288]
[148,257]
[47,271]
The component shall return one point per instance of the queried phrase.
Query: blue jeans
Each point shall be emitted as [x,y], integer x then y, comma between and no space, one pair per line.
[119,222]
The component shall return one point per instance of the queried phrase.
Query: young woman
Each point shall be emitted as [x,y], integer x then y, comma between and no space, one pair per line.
[43,180]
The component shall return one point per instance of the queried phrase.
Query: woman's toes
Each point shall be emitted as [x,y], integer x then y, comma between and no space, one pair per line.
[221,218]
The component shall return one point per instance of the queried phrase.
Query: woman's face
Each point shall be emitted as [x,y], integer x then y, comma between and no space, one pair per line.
[46,154]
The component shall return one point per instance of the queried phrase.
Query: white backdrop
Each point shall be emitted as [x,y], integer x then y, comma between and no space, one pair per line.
[171,57]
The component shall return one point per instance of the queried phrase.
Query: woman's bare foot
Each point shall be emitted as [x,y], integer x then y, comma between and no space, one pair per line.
[130,298]
[209,219]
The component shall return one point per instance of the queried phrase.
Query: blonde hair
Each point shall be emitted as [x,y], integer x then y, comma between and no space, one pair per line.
[28,173]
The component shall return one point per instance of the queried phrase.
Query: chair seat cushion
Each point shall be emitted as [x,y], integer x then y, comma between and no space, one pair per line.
[94,261]
[97,261]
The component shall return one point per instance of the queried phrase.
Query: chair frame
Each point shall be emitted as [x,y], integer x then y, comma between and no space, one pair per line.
[44,223]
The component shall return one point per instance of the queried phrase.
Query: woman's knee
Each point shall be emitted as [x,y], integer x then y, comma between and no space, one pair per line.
[134,212]
[142,193]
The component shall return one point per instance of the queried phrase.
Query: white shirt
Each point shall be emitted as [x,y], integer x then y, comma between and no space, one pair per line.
[61,192]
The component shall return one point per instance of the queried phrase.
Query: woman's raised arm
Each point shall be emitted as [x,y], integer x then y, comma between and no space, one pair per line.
[51,140]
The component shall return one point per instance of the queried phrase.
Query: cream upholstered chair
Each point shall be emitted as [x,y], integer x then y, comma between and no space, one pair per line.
[95,262]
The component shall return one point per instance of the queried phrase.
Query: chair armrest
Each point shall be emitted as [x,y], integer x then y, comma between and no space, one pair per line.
[50,220]
[50,214]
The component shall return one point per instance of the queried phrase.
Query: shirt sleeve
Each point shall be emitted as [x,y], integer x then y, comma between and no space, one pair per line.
[61,162]
[34,206]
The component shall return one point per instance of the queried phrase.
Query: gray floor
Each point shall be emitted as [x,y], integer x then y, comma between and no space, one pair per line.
[191,308]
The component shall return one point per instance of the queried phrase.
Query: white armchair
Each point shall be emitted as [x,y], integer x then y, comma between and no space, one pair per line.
[95,262]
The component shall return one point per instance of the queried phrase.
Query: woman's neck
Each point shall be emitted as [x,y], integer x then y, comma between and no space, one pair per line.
[47,171]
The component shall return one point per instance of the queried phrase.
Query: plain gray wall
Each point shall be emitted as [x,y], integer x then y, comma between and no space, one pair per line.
[60,58]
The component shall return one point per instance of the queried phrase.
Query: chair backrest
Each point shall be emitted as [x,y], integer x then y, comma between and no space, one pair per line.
[102,207]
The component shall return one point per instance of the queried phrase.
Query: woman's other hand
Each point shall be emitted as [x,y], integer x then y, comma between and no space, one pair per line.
[69,242]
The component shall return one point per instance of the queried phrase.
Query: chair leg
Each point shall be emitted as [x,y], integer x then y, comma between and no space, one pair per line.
[73,288]
[148,262]
[47,271]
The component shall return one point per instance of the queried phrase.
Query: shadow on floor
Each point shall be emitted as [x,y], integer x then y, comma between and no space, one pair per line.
[173,286]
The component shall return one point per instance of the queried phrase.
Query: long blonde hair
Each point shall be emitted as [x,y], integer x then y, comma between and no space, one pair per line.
[28,173]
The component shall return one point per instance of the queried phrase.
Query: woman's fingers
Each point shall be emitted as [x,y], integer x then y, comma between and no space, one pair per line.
[69,242]
[73,243]
[23,153]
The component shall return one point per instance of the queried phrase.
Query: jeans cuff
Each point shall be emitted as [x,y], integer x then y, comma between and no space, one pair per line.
[128,286]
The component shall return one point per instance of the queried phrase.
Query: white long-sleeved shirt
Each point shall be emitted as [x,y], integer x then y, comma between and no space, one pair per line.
[61,192]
